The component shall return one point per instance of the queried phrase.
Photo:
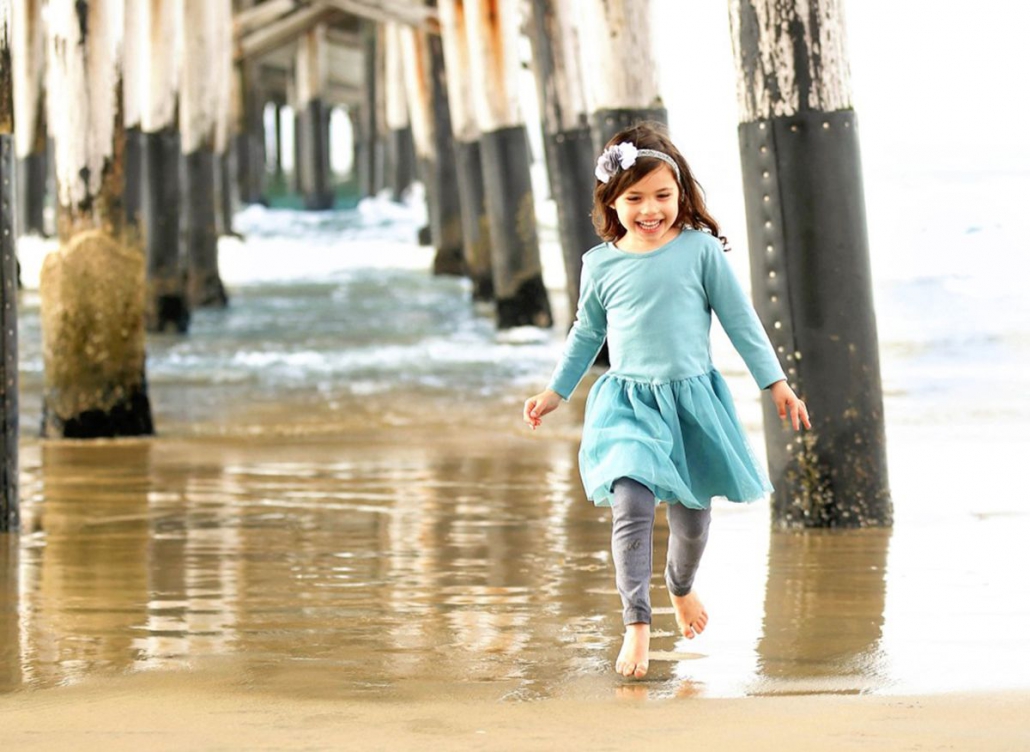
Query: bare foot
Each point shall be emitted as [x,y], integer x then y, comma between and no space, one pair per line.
[632,660]
[691,616]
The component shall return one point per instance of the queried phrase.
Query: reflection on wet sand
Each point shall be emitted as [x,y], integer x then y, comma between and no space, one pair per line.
[324,566]
[395,563]
[824,605]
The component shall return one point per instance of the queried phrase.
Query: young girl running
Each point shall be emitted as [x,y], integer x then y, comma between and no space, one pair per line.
[660,424]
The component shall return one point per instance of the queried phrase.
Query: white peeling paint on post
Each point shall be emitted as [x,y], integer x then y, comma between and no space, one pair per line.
[769,84]
[493,28]
[161,22]
[416,84]
[133,51]
[617,54]
[225,121]
[396,97]
[83,76]
[200,85]
[454,33]
[28,56]
[568,78]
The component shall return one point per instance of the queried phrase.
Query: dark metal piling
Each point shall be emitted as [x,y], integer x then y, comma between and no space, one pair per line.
[9,517]
[810,272]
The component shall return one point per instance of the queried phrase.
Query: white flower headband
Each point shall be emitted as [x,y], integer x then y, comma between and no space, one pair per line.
[623,156]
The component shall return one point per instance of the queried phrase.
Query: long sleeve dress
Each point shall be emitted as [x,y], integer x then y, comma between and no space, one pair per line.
[662,413]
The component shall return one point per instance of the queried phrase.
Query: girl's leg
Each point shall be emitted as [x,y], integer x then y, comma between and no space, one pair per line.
[688,535]
[632,543]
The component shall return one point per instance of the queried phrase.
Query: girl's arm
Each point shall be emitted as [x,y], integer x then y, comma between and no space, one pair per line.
[738,318]
[581,347]
[585,338]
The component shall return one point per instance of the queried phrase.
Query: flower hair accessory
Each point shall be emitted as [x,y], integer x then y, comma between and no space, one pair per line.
[623,156]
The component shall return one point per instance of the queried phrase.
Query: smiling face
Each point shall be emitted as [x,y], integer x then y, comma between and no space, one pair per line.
[648,210]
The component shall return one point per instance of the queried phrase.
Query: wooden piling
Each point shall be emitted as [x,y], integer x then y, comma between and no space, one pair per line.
[619,94]
[9,513]
[91,289]
[202,94]
[30,132]
[475,221]
[249,138]
[312,130]
[133,50]
[400,148]
[810,272]
[167,307]
[227,119]
[567,137]
[493,29]
[425,82]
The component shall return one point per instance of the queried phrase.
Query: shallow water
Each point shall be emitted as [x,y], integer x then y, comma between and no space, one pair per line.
[342,501]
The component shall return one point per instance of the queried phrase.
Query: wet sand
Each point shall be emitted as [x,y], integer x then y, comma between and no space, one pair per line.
[185,711]
[412,584]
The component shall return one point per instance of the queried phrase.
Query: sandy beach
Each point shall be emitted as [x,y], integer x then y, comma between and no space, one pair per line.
[178,712]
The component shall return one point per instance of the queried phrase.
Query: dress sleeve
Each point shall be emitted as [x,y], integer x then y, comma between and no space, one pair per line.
[738,318]
[585,338]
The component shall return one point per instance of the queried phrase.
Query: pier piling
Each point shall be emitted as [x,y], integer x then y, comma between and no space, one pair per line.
[810,272]
[203,92]
[91,288]
[567,136]
[475,221]
[619,95]
[30,131]
[400,147]
[493,36]
[312,119]
[9,511]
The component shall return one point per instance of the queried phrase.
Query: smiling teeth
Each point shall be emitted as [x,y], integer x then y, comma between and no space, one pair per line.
[650,225]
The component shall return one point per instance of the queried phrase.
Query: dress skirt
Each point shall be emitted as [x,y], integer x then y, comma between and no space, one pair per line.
[682,439]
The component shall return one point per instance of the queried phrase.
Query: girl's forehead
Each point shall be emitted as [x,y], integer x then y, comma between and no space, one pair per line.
[659,178]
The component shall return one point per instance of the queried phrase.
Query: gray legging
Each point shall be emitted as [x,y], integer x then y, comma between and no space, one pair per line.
[633,511]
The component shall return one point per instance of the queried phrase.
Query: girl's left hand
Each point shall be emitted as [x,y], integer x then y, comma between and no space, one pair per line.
[786,401]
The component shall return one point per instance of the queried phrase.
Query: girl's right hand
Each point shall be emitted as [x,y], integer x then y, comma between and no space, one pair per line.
[539,405]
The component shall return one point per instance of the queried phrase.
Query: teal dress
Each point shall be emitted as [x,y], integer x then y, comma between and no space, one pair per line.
[662,413]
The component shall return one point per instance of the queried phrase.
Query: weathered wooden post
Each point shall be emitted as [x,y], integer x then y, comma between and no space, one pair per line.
[9,519]
[202,95]
[28,58]
[249,138]
[400,149]
[226,123]
[810,272]
[475,222]
[133,49]
[493,37]
[91,288]
[425,81]
[167,307]
[619,93]
[312,130]
[368,145]
[567,138]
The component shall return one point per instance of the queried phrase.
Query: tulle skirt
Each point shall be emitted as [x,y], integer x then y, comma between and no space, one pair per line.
[681,439]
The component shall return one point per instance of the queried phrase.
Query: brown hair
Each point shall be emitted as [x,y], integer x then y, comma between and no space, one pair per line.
[692,211]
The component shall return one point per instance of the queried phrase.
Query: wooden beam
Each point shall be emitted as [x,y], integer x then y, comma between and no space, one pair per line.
[252,19]
[281,32]
[387,10]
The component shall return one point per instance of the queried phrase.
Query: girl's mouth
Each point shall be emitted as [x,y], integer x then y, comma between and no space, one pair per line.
[649,226]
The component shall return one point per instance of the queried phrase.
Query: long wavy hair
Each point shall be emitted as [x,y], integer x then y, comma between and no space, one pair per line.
[693,214]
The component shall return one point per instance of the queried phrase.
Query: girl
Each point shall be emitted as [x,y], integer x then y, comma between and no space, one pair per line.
[660,424]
